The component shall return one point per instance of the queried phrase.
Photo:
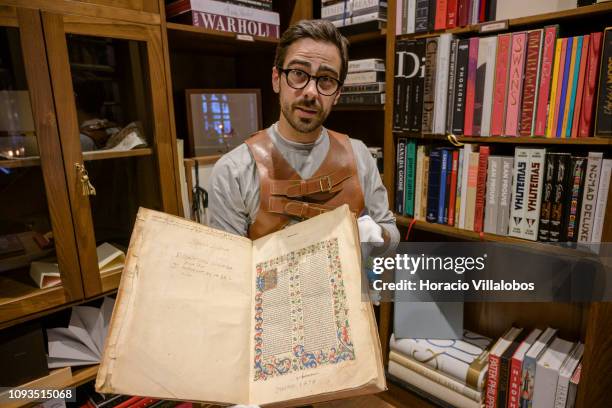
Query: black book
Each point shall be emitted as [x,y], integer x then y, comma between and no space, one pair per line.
[433,188]
[398,86]
[550,168]
[400,172]
[575,188]
[431,15]
[421,19]
[362,99]
[417,88]
[504,368]
[603,113]
[411,66]
[560,197]
[463,52]
[429,91]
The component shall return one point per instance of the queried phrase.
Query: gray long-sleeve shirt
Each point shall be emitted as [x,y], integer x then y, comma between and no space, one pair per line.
[234,185]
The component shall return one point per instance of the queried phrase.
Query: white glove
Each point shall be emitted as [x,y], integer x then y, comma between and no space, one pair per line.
[369,230]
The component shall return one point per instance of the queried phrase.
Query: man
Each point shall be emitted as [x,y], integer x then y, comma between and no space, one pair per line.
[296,168]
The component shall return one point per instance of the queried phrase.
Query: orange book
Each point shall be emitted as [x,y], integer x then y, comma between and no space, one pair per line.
[581,76]
[570,85]
[553,89]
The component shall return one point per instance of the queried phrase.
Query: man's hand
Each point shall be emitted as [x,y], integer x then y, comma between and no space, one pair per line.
[370,231]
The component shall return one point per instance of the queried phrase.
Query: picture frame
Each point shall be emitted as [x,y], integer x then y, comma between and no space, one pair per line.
[220,119]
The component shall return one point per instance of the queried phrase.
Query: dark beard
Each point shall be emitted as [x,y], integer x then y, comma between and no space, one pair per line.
[304,125]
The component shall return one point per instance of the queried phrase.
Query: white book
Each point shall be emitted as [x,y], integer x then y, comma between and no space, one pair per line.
[467,149]
[349,8]
[410,21]
[517,224]
[547,373]
[369,64]
[441,83]
[505,193]
[602,200]
[232,10]
[359,19]
[476,11]
[489,46]
[529,364]
[399,7]
[492,194]
[573,387]
[589,196]
[418,182]
[364,77]
[565,374]
[431,387]
[535,183]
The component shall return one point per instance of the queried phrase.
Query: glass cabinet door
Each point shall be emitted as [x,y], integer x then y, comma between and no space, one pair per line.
[39,266]
[111,99]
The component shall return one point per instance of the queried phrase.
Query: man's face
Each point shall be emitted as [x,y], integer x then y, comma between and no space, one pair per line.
[305,109]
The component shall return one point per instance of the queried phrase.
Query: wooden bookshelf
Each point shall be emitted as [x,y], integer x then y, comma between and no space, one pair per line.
[582,141]
[368,37]
[16,163]
[105,154]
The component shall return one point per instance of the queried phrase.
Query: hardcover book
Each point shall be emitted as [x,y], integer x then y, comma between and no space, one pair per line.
[283,315]
[433,185]
[429,90]
[443,192]
[515,83]
[503,219]
[421,16]
[530,86]
[603,116]
[548,55]
[563,80]
[398,85]
[493,381]
[483,92]
[575,190]
[535,177]
[584,58]
[483,161]
[410,176]
[411,70]
[590,86]
[573,95]
[555,87]
[589,196]
[547,196]
[493,194]
[500,88]
[460,86]
[418,84]
[519,191]
[400,175]
[470,93]
[565,373]
[441,83]
[472,184]
[516,368]
[528,376]
[547,372]
[602,200]
[505,361]
[450,97]
[572,77]
[560,197]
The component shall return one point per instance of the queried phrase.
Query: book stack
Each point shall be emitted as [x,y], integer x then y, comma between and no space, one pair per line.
[246,17]
[364,83]
[355,16]
[527,83]
[537,195]
[452,371]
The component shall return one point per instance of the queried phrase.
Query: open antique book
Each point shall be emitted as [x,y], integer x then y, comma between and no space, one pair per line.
[204,315]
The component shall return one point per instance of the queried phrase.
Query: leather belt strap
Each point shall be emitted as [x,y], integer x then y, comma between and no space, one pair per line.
[300,188]
[300,209]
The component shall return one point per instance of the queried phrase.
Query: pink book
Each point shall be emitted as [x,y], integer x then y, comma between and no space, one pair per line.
[515,83]
[470,92]
[580,88]
[555,109]
[548,54]
[500,88]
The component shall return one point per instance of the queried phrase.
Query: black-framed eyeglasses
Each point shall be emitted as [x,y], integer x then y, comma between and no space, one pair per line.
[298,79]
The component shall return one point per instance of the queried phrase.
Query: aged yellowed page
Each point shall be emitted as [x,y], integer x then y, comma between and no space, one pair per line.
[179,329]
[312,334]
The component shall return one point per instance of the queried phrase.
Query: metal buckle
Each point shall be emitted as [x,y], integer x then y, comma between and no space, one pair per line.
[329,184]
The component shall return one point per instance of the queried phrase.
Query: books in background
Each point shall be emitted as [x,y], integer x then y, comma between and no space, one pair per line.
[344,13]
[248,17]
[522,368]
[527,83]
[536,194]
[364,83]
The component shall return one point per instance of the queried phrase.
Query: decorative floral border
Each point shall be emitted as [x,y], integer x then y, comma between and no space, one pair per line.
[301,359]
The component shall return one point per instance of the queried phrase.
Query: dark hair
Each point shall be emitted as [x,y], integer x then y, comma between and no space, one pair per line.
[318,30]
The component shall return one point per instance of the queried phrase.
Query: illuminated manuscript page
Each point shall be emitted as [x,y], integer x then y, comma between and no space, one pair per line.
[311,333]
[178,330]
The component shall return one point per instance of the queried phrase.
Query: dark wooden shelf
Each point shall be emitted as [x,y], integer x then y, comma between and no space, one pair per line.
[105,154]
[586,141]
[380,107]
[368,37]
[546,18]
[183,36]
[15,163]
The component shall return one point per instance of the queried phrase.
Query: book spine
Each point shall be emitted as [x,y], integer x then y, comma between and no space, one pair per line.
[574,88]
[220,8]
[503,219]
[528,381]
[602,200]
[490,44]
[504,377]
[376,87]
[453,188]
[548,57]
[418,182]
[234,25]
[574,60]
[425,191]
[500,88]
[370,64]
[450,97]
[400,171]
[262,5]
[519,179]
[552,103]
[562,174]
[460,86]
[347,22]
[400,23]
[421,16]
[575,112]
[345,9]
[603,115]
[362,99]
[429,84]
[589,196]
[440,15]
[433,186]
[398,85]
[458,201]
[418,85]
[547,196]
[442,192]
[534,193]
[467,149]
[559,87]
[472,185]
[588,104]
[470,93]
[431,17]
[514,384]
[492,194]
[451,15]
[441,83]
[410,17]
[532,65]
[564,79]
[448,186]
[572,213]
[515,84]
[492,382]
[364,77]
[481,186]
[479,86]
[410,175]
[411,71]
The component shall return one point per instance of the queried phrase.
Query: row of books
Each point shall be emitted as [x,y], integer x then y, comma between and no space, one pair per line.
[364,83]
[523,368]
[245,17]
[527,83]
[350,12]
[535,195]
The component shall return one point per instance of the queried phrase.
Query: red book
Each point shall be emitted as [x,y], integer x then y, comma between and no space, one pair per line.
[453,188]
[515,84]
[145,402]
[451,14]
[463,12]
[585,128]
[500,87]
[561,68]
[532,65]
[129,402]
[481,11]
[580,88]
[548,54]
[470,92]
[481,186]
[440,20]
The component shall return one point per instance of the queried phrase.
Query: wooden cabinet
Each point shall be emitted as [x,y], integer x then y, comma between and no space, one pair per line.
[96,87]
